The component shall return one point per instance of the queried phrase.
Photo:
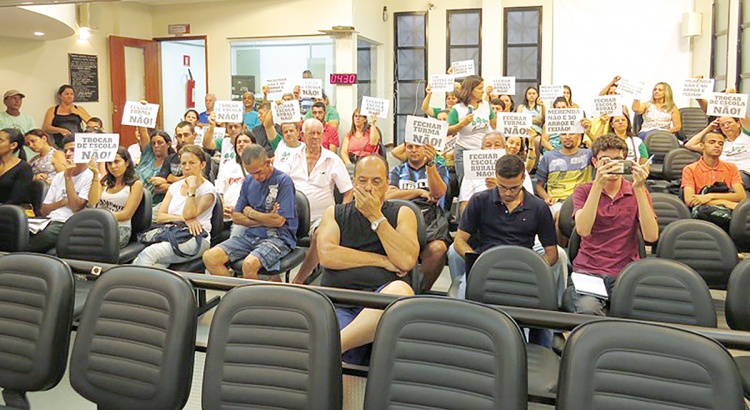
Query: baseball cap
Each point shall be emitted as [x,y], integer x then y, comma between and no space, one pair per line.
[11,93]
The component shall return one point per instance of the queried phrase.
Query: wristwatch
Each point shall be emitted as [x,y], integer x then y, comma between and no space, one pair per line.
[191,195]
[374,225]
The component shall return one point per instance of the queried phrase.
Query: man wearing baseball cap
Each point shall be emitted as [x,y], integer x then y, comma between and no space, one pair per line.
[12,117]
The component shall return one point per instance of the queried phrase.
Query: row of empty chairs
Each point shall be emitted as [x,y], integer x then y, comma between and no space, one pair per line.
[278,346]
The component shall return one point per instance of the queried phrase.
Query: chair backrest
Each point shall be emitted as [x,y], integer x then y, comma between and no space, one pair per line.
[217,221]
[676,160]
[512,276]
[14,235]
[701,245]
[273,344]
[38,192]
[36,295]
[566,221]
[134,347]
[611,364]
[421,226]
[661,290]
[668,208]
[574,244]
[694,120]
[739,228]
[90,235]
[637,122]
[141,219]
[303,215]
[430,351]
[659,143]
[737,306]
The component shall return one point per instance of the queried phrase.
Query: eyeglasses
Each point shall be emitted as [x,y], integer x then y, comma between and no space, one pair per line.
[726,124]
[512,190]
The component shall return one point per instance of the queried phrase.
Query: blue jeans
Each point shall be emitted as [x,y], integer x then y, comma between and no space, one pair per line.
[459,161]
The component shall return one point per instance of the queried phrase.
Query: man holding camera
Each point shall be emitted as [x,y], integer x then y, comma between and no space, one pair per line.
[608,213]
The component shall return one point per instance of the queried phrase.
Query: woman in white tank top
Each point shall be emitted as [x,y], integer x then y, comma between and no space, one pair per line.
[660,113]
[119,191]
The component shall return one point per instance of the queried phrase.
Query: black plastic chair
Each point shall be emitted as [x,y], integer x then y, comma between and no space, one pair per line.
[14,235]
[659,143]
[273,346]
[668,208]
[432,352]
[629,365]
[38,192]
[140,222]
[737,311]
[566,221]
[90,235]
[674,162]
[739,228]
[660,290]
[36,299]
[703,246]
[134,347]
[517,276]
[694,120]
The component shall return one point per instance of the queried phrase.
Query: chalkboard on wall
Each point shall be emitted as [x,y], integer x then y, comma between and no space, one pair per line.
[84,76]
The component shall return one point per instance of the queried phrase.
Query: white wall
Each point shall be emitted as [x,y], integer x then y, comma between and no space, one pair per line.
[174,76]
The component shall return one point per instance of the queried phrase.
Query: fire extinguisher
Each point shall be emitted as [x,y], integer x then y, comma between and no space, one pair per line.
[190,96]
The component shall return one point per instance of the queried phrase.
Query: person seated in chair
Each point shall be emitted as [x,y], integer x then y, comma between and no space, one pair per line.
[608,213]
[68,193]
[368,244]
[713,187]
[267,208]
[423,181]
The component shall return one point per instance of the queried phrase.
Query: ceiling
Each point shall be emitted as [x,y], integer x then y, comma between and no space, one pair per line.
[17,22]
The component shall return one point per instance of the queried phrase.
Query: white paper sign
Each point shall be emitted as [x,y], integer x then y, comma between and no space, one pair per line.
[377,106]
[550,92]
[200,132]
[288,111]
[728,105]
[450,144]
[277,87]
[513,124]
[697,87]
[503,85]
[608,104]
[229,111]
[442,83]
[140,115]
[311,88]
[564,121]
[463,69]
[103,147]
[633,89]
[480,164]
[422,131]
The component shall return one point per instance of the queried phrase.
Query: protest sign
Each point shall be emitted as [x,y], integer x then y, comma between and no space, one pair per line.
[480,164]
[103,147]
[200,132]
[728,105]
[377,106]
[311,88]
[697,87]
[513,124]
[608,104]
[287,111]
[140,115]
[463,69]
[277,87]
[423,131]
[550,92]
[450,144]
[229,111]
[631,89]
[503,85]
[564,121]
[442,83]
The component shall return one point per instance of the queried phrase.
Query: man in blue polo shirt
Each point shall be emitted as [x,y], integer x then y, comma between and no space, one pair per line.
[423,181]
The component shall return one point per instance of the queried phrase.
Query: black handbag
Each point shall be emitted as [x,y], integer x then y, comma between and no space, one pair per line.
[176,233]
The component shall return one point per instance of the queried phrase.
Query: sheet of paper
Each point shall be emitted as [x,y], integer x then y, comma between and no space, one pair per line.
[589,285]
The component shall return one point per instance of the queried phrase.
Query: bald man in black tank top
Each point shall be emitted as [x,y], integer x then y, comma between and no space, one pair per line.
[367,244]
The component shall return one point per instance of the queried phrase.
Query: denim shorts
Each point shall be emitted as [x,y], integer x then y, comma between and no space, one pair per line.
[358,355]
[268,250]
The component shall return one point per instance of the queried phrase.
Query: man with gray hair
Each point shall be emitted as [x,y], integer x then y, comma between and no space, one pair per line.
[315,172]
[210,101]
[267,208]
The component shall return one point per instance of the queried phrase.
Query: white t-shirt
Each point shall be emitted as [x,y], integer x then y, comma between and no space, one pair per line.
[738,152]
[57,191]
[229,182]
[115,202]
[318,184]
[285,154]
[470,136]
[177,204]
[469,187]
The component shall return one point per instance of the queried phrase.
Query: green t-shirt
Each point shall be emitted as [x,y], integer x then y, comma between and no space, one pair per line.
[275,142]
[331,115]
[23,122]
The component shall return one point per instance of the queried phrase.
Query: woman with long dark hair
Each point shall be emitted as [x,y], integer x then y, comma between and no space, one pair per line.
[470,119]
[119,191]
[15,172]
[156,146]
[48,161]
[65,118]
[533,105]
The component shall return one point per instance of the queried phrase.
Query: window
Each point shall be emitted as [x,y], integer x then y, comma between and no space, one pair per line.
[744,52]
[720,43]
[464,37]
[523,47]
[410,67]
[366,65]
